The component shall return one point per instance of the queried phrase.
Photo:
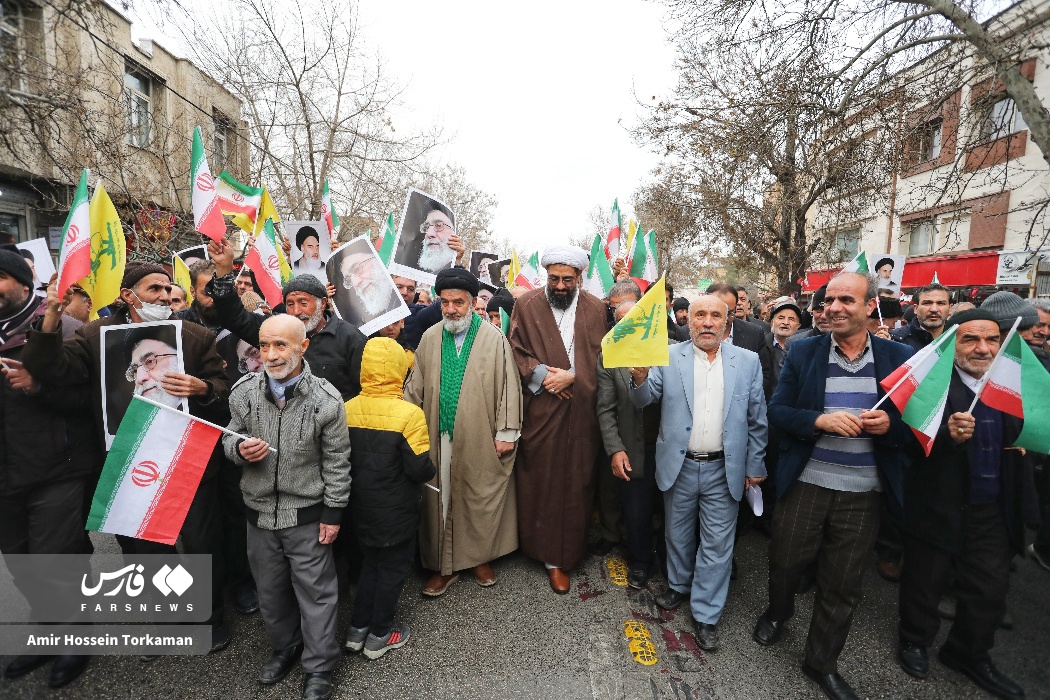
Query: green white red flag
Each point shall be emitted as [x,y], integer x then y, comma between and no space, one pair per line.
[599,273]
[385,242]
[530,275]
[504,322]
[238,200]
[1017,384]
[74,257]
[207,215]
[264,259]
[857,264]
[328,211]
[642,257]
[919,387]
[612,239]
[151,473]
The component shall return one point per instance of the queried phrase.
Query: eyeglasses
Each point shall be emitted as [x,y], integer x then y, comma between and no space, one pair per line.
[149,362]
[439,226]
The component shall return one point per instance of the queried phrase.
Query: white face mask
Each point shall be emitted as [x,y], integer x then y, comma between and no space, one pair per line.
[152,312]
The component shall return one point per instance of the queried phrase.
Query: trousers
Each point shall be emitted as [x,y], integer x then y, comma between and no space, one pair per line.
[383,573]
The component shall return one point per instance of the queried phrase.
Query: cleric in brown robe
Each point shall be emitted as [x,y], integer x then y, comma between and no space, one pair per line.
[556,333]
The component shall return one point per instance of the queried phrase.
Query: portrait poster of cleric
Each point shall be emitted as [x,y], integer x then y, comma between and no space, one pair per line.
[193,254]
[38,256]
[479,267]
[498,272]
[311,247]
[364,293]
[889,271]
[422,248]
[135,358]
[240,357]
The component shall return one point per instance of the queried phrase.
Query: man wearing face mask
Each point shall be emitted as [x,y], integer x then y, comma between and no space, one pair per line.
[145,295]
[335,346]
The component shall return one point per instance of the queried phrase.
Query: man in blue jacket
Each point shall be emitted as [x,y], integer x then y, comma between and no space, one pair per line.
[836,456]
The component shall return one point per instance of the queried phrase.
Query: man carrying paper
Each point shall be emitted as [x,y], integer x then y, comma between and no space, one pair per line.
[703,466]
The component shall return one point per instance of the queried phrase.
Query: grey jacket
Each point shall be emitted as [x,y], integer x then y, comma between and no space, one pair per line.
[308,479]
[621,423]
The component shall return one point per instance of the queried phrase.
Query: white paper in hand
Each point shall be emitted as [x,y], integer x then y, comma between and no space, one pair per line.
[754,499]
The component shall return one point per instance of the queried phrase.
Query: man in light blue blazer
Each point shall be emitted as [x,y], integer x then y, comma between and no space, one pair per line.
[711,447]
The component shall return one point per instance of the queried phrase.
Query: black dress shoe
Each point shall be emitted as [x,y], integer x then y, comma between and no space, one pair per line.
[220,638]
[732,571]
[280,664]
[984,674]
[638,576]
[706,636]
[670,599]
[767,630]
[833,685]
[67,668]
[913,659]
[25,664]
[245,600]
[602,547]
[317,686]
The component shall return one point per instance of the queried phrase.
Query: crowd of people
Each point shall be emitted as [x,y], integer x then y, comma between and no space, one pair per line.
[442,435]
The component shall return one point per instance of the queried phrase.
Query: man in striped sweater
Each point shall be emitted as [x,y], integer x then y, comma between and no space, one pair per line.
[836,456]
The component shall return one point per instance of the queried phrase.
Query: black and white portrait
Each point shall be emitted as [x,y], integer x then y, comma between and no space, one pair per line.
[364,293]
[193,254]
[479,266]
[422,248]
[135,358]
[498,272]
[311,246]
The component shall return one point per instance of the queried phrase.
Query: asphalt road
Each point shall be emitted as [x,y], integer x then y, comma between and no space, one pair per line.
[520,640]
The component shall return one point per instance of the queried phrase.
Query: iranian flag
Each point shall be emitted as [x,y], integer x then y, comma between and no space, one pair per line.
[530,275]
[643,257]
[74,257]
[1015,368]
[238,200]
[599,273]
[504,322]
[328,211]
[151,473]
[857,264]
[264,259]
[207,215]
[612,240]
[385,242]
[919,387]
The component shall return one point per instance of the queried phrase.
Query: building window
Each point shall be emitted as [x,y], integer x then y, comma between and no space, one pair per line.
[1002,119]
[138,90]
[11,54]
[921,238]
[930,140]
[220,141]
[846,244]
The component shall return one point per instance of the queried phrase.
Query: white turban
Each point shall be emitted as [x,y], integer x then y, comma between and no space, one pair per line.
[565,255]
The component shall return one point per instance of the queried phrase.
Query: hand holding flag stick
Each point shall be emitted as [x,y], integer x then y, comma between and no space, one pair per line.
[199,420]
[995,361]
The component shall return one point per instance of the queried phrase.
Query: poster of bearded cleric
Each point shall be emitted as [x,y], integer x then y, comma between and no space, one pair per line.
[311,247]
[364,293]
[135,358]
[240,357]
[421,250]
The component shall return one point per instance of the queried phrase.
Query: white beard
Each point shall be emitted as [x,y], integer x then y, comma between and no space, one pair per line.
[457,326]
[375,302]
[434,258]
[281,372]
[306,263]
[160,396]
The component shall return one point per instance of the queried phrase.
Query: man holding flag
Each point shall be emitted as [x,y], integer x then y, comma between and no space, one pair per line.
[836,456]
[965,507]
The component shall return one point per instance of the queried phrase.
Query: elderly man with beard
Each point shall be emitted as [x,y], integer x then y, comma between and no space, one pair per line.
[556,334]
[309,244]
[364,276]
[465,382]
[335,346]
[234,546]
[704,464]
[145,295]
[437,228]
[966,506]
[837,457]
[295,497]
[816,309]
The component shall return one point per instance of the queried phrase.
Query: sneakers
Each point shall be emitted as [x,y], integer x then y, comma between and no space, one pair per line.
[394,639]
[355,638]
[1039,558]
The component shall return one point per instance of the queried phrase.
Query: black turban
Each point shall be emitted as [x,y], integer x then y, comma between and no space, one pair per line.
[457,278]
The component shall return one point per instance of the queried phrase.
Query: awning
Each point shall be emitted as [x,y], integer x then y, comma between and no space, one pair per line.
[966,270]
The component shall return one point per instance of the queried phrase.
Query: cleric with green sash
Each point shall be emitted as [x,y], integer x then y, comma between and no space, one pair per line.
[465,381]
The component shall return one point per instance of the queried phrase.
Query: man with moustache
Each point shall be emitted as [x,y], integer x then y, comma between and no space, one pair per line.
[334,352]
[307,241]
[295,498]
[152,358]
[966,506]
[932,304]
[363,275]
[785,317]
[744,334]
[816,309]
[837,458]
[436,228]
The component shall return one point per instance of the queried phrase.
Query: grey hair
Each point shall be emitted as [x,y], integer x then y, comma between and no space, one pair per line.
[873,283]
[1040,304]
[626,288]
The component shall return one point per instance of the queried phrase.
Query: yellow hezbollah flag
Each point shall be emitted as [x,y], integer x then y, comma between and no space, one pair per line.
[632,229]
[108,253]
[182,277]
[515,268]
[640,338]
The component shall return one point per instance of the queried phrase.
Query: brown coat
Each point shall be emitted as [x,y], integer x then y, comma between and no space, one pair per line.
[482,508]
[559,438]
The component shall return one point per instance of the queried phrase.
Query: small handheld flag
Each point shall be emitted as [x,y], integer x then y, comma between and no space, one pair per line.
[639,339]
[385,242]
[857,264]
[74,257]
[204,199]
